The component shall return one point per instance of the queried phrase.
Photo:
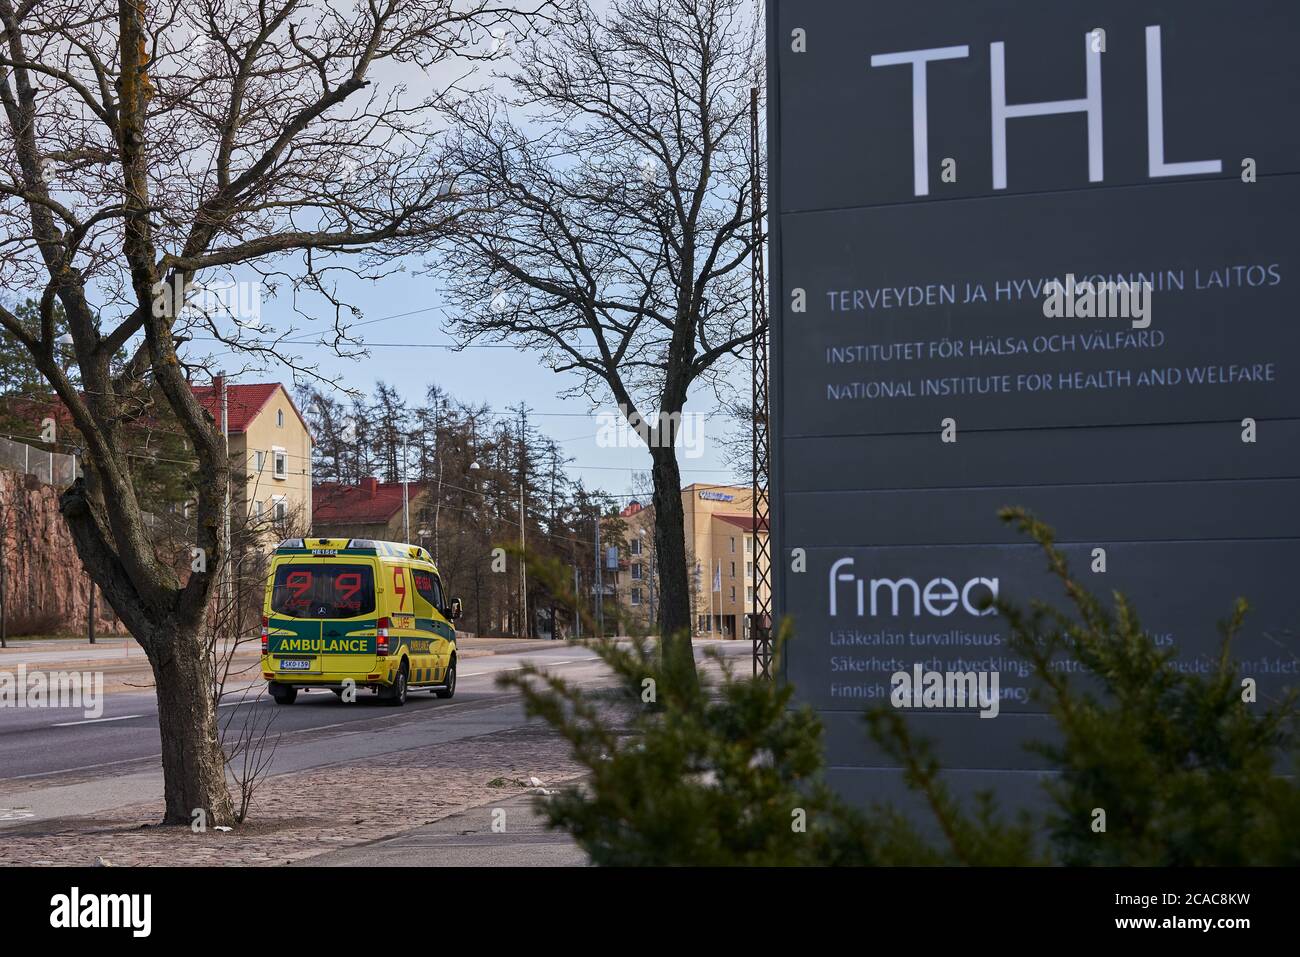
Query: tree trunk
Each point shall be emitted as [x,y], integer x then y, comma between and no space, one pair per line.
[194,767]
[193,764]
[674,580]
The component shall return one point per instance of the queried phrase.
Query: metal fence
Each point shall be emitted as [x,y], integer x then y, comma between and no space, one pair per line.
[52,468]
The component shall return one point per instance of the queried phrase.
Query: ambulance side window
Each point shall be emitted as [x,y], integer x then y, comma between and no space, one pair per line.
[426,583]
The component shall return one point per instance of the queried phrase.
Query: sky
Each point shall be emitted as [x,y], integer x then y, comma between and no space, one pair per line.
[500,377]
[405,333]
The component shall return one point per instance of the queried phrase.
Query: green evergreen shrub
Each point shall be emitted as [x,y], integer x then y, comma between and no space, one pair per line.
[1185,768]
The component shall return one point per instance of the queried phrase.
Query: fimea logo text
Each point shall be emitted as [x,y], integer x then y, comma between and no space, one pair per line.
[938,597]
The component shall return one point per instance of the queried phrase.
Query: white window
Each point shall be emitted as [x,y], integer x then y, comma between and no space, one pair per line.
[636,546]
[749,569]
[749,544]
[636,572]
[257,509]
[636,596]
[733,592]
[733,544]
[279,418]
[259,461]
[749,594]
[280,508]
[280,459]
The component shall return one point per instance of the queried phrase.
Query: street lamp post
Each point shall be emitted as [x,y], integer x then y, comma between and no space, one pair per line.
[650,578]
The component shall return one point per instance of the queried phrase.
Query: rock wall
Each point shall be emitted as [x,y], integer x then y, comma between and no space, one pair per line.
[46,589]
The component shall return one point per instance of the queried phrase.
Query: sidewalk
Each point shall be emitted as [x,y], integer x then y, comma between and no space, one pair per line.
[68,652]
[319,811]
[468,839]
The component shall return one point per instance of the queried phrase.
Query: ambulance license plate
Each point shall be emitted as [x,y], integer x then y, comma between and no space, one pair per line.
[295,664]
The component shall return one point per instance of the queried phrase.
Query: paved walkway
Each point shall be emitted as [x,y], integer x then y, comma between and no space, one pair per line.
[503,833]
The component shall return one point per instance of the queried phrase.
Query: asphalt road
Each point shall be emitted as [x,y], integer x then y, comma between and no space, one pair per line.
[56,762]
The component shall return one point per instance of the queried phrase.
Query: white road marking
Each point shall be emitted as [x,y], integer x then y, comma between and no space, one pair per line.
[84,767]
[153,757]
[73,724]
[257,699]
[323,727]
[548,664]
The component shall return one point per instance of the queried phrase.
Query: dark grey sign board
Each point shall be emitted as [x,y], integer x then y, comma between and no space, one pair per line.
[939,170]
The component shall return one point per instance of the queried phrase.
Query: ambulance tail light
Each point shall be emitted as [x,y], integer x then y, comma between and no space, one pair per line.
[265,634]
[381,637]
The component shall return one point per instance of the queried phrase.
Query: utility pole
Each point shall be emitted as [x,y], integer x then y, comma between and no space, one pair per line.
[650,589]
[220,381]
[523,570]
[577,590]
[406,504]
[437,509]
[600,584]
[437,451]
[523,565]
[550,527]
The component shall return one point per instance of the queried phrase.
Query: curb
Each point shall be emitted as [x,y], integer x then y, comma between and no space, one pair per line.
[11,659]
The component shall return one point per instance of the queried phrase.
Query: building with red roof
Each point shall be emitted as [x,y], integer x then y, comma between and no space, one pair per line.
[270,450]
[372,509]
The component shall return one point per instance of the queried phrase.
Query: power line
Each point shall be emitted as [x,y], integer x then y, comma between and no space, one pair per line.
[46,399]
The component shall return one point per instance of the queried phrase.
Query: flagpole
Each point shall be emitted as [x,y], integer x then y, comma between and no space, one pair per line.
[713,586]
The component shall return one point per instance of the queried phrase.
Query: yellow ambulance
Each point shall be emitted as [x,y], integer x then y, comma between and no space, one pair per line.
[357,613]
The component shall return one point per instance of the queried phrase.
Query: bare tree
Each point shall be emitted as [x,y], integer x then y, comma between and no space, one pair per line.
[612,226]
[737,440]
[150,145]
[247,742]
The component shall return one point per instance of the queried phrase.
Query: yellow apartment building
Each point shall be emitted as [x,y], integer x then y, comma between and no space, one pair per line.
[719,551]
[270,452]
